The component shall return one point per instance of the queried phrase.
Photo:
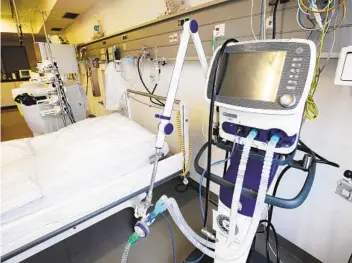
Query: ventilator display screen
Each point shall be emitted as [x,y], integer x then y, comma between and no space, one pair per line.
[253,75]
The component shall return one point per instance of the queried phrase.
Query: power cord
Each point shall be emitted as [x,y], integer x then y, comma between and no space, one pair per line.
[319,159]
[172,236]
[216,81]
[157,102]
[274,18]
[311,110]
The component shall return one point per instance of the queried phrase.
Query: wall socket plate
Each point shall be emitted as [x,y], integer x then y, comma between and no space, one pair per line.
[269,22]
[344,189]
[219,30]
[173,38]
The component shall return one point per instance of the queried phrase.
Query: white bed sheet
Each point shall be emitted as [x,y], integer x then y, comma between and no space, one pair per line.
[54,179]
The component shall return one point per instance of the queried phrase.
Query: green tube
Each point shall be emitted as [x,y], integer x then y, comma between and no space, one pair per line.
[134,238]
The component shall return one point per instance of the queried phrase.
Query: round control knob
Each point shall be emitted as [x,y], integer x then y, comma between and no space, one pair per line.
[287,100]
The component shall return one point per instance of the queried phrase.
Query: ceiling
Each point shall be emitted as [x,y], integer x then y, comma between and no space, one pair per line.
[29,10]
[26,9]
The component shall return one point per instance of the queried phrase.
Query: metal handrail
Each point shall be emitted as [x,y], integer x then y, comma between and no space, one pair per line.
[145,94]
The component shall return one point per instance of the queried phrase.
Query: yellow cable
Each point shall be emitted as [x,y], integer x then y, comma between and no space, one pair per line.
[311,111]
[187,164]
[321,10]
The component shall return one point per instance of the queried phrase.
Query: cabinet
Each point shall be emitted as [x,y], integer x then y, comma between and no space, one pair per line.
[6,92]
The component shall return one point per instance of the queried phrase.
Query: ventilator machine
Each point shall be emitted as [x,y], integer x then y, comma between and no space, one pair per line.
[257,91]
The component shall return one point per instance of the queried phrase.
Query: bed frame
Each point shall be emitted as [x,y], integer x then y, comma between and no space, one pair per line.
[172,166]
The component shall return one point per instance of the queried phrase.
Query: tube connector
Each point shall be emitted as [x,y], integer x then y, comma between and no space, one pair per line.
[209,235]
[134,238]
[160,206]
[253,133]
[274,139]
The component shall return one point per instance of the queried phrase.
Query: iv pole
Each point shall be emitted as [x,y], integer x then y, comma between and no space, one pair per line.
[18,24]
[64,105]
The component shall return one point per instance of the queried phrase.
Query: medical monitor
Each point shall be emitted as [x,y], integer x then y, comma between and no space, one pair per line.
[264,85]
[268,75]
[256,74]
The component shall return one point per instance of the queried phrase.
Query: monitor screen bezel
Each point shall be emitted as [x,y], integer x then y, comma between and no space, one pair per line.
[294,50]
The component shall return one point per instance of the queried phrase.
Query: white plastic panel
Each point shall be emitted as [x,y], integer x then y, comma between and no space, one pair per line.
[343,75]
[64,55]
[347,69]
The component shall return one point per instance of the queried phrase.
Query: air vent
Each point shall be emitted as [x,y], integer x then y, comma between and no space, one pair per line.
[69,15]
[56,29]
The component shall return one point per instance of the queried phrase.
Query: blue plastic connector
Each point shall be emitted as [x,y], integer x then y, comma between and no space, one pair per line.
[160,207]
[275,138]
[253,133]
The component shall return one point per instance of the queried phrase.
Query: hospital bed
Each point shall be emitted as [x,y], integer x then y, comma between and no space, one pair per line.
[57,184]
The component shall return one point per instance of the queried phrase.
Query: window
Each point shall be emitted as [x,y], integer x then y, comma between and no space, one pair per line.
[13,59]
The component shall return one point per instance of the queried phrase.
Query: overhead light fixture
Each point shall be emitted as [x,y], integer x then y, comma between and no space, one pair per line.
[69,15]
[57,29]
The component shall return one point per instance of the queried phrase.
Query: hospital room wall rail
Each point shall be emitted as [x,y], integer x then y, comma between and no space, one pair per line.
[152,96]
[156,32]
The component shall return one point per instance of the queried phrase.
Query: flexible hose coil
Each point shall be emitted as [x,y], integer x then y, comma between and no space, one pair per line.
[187,163]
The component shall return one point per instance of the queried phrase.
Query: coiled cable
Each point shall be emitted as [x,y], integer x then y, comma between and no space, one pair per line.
[187,162]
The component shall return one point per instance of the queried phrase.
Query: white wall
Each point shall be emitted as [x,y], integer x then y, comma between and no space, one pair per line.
[117,15]
[323,224]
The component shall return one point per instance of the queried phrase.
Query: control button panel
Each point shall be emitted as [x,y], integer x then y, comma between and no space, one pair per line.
[295,70]
[287,100]
[292,83]
[297,59]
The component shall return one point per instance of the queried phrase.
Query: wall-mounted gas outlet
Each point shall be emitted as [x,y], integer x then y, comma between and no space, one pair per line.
[219,30]
[269,22]
[124,37]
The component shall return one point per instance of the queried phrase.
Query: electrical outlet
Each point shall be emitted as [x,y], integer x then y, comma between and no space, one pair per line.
[269,22]
[219,30]
[175,37]
[344,189]
[124,46]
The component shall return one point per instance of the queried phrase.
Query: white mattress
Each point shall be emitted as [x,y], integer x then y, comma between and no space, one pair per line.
[54,179]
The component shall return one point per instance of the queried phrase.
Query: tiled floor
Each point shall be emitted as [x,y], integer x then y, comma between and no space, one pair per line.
[105,241]
[13,125]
